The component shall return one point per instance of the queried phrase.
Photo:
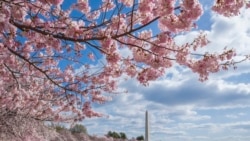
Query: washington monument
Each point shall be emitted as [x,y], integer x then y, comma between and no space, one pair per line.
[146,127]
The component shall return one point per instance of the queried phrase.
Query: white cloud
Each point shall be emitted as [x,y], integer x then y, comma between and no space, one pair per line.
[232,116]
[232,32]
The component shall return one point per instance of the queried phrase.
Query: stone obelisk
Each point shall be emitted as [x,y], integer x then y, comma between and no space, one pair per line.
[146,127]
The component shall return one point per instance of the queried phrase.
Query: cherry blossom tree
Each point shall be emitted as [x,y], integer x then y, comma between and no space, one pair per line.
[57,59]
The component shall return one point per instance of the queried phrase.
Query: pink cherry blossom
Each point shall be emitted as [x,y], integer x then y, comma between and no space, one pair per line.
[229,7]
[128,3]
[54,65]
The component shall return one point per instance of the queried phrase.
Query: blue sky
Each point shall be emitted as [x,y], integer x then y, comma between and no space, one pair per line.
[181,107]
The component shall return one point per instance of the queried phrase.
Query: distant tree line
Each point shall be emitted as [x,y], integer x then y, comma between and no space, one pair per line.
[116,135]
[78,128]
[122,135]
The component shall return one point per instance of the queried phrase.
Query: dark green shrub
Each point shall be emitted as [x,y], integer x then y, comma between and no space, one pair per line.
[116,135]
[113,135]
[123,135]
[59,128]
[78,128]
[140,138]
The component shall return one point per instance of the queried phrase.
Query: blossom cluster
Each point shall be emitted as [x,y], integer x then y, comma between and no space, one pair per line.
[229,7]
